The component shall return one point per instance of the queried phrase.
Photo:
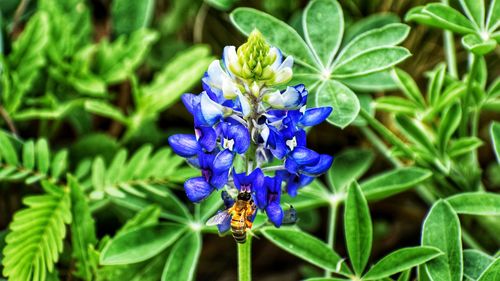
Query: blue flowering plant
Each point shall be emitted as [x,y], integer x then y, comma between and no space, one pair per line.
[249,130]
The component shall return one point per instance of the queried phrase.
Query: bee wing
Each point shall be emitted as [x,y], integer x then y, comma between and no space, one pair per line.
[220,218]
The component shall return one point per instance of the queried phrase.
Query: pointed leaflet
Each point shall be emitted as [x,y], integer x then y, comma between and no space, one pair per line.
[474,9]
[181,263]
[387,36]
[475,263]
[344,102]
[495,138]
[323,23]
[306,247]
[408,86]
[392,182]
[401,260]
[276,32]
[370,61]
[441,229]
[492,272]
[82,230]
[140,244]
[358,228]
[448,18]
[476,203]
[348,166]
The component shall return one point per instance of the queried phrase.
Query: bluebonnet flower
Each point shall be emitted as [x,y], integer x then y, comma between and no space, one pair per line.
[243,113]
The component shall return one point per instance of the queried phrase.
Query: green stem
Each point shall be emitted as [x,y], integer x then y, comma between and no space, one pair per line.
[449,47]
[421,190]
[468,96]
[331,229]
[389,136]
[245,260]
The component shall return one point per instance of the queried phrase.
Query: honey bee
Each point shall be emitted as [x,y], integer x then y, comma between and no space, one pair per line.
[241,214]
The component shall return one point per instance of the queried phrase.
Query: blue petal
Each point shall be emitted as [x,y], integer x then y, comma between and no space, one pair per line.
[184,145]
[324,163]
[304,156]
[207,137]
[314,116]
[241,137]
[293,185]
[257,178]
[218,180]
[211,111]
[223,161]
[261,194]
[275,213]
[237,179]
[291,166]
[197,189]
[190,101]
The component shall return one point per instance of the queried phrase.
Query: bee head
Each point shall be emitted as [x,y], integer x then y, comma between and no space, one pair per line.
[244,196]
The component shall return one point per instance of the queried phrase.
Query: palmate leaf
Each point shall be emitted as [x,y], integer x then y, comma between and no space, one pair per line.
[37,233]
[34,162]
[372,52]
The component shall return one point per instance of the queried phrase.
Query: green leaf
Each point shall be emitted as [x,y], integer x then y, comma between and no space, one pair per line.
[397,105]
[373,82]
[276,32]
[344,102]
[323,23]
[29,155]
[7,151]
[178,76]
[59,164]
[478,46]
[368,23]
[358,228]
[392,182]
[348,166]
[83,232]
[106,110]
[476,203]
[436,83]
[129,16]
[493,21]
[492,272]
[387,36]
[474,9]
[148,216]
[475,262]
[37,234]
[441,229]
[415,131]
[401,260]
[140,244]
[463,145]
[448,125]
[183,258]
[42,156]
[448,18]
[115,62]
[306,247]
[369,61]
[408,86]
[495,138]
[223,5]
[26,60]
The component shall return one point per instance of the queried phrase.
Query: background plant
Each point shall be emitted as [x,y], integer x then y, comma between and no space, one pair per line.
[89,98]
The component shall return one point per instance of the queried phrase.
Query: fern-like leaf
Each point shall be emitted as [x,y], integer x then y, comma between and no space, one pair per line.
[82,231]
[36,235]
[142,180]
[32,164]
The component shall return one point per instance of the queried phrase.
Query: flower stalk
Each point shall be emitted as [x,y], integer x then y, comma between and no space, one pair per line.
[245,260]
